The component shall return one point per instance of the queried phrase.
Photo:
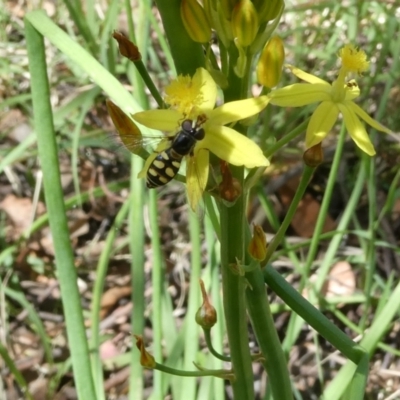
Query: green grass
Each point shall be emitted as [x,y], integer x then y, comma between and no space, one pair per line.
[165,249]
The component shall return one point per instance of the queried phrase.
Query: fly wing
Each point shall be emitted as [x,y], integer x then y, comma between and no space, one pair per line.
[130,136]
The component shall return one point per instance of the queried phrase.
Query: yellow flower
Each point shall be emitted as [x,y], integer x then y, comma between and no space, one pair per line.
[335,98]
[194,99]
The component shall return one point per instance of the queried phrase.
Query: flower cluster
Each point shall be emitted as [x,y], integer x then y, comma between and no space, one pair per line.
[194,98]
[336,98]
[192,103]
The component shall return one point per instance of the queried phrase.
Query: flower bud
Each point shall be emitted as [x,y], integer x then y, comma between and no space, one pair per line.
[146,359]
[227,7]
[195,21]
[206,315]
[223,26]
[230,188]
[268,9]
[269,66]
[245,22]
[258,244]
[209,9]
[314,156]
[127,48]
[128,132]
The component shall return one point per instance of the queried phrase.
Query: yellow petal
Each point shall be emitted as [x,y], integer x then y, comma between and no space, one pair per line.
[370,121]
[304,76]
[300,94]
[232,147]
[196,176]
[208,89]
[321,122]
[163,120]
[356,128]
[237,110]
[352,91]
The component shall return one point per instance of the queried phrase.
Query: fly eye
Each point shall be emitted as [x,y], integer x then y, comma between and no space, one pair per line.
[187,125]
[200,133]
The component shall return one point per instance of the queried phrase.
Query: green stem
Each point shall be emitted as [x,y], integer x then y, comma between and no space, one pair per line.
[207,337]
[187,54]
[274,360]
[279,237]
[64,259]
[232,221]
[157,283]
[219,373]
[324,208]
[371,247]
[314,317]
[233,287]
[295,323]
[191,347]
[149,83]
[102,268]
[136,246]
[286,139]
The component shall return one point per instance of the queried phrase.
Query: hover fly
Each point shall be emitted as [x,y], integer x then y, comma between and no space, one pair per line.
[167,163]
[165,166]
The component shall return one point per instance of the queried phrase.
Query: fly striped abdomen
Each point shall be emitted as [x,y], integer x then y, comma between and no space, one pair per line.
[166,164]
[163,168]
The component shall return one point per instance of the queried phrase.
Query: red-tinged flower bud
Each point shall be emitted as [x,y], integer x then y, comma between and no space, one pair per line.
[313,156]
[269,66]
[146,359]
[258,244]
[268,9]
[128,132]
[206,315]
[245,22]
[230,188]
[127,48]
[195,21]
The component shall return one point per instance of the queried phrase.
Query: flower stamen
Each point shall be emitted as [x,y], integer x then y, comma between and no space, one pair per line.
[353,60]
[184,94]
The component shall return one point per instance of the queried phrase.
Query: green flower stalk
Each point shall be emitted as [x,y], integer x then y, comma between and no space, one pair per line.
[336,98]
[194,98]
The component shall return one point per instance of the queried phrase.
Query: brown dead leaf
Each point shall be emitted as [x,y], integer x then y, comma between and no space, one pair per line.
[21,212]
[305,218]
[111,297]
[341,280]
